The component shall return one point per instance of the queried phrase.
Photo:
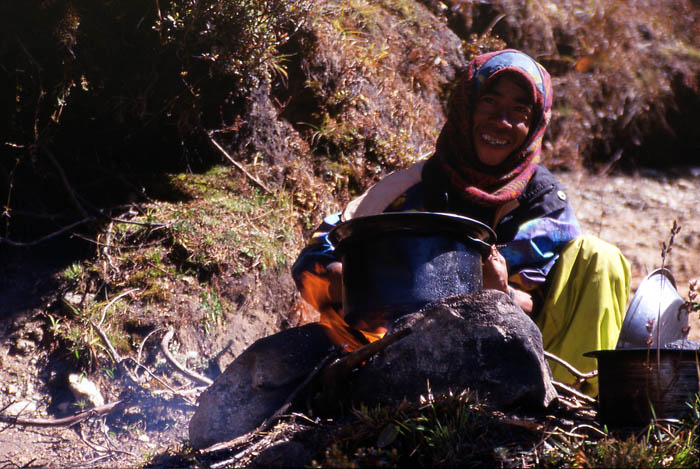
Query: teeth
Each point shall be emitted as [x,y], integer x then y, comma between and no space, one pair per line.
[493,140]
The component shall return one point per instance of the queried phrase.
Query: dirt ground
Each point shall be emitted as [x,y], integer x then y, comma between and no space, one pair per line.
[634,212]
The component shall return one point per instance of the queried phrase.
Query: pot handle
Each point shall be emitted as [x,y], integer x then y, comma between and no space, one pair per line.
[482,246]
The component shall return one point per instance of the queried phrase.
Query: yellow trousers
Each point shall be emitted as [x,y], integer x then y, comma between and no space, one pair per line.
[585,306]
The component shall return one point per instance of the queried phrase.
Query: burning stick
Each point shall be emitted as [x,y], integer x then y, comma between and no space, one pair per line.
[337,371]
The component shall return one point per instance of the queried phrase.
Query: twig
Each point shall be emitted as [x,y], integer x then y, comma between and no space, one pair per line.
[321,365]
[492,24]
[578,394]
[263,426]
[140,223]
[169,388]
[336,373]
[66,183]
[94,446]
[570,368]
[114,300]
[148,336]
[591,427]
[65,421]
[114,355]
[238,165]
[194,376]
[113,352]
[44,238]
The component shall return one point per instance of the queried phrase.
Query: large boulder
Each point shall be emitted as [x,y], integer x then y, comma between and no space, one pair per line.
[482,341]
[256,384]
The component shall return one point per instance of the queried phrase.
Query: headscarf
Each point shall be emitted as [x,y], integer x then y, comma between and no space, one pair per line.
[455,156]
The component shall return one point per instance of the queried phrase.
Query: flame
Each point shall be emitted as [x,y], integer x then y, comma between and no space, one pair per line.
[315,289]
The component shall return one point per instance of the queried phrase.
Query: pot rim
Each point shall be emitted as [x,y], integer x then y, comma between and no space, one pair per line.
[637,351]
[431,223]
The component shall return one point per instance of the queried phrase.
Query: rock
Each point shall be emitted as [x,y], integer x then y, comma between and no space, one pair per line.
[256,384]
[20,408]
[482,341]
[85,390]
[284,454]
[24,347]
[36,334]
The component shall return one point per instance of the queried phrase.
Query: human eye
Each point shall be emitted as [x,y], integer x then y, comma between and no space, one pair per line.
[523,109]
[522,112]
[488,99]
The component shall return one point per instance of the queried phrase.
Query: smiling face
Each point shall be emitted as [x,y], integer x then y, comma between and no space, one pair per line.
[501,120]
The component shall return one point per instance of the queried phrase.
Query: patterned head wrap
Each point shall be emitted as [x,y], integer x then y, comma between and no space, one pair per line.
[455,155]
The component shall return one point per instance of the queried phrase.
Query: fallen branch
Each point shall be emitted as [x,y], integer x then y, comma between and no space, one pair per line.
[570,368]
[139,223]
[66,183]
[578,394]
[194,376]
[62,422]
[44,238]
[143,343]
[114,300]
[113,353]
[318,368]
[239,166]
[516,422]
[246,438]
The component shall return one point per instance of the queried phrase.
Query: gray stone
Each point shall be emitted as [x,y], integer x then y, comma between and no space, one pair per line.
[481,341]
[256,384]
[284,454]
[85,390]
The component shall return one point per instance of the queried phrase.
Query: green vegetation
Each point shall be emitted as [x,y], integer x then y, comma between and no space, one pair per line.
[460,431]
[212,311]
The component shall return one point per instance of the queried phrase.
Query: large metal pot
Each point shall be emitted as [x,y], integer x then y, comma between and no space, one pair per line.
[395,263]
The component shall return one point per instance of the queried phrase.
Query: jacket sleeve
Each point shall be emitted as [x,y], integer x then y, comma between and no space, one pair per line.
[536,232]
[319,250]
[535,248]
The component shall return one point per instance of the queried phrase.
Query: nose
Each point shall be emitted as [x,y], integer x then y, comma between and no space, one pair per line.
[499,116]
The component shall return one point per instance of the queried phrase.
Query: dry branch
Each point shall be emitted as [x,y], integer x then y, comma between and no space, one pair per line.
[114,300]
[44,238]
[584,397]
[337,372]
[113,353]
[65,181]
[194,376]
[65,421]
[570,368]
[259,183]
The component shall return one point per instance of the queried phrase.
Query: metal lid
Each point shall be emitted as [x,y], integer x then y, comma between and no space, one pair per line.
[426,223]
[655,311]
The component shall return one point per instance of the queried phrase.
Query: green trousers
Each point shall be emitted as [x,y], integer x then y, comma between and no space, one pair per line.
[585,306]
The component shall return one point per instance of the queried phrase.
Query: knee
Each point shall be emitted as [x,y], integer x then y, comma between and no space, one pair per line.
[594,248]
[603,256]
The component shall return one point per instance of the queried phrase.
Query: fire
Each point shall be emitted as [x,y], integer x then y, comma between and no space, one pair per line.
[315,289]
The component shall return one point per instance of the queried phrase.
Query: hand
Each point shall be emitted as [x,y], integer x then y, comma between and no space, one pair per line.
[495,271]
[335,275]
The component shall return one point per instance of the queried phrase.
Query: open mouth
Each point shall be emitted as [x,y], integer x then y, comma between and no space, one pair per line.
[493,140]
